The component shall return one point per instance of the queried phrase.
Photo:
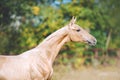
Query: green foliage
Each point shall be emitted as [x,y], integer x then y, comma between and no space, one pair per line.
[38,19]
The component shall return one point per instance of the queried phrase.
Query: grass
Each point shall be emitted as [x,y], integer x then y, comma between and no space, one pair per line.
[86,73]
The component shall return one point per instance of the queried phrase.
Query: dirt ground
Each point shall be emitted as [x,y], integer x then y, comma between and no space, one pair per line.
[86,73]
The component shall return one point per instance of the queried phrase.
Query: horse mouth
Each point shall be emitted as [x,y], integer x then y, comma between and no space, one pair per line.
[91,43]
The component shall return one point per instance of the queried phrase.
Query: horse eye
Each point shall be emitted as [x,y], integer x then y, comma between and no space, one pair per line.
[78,30]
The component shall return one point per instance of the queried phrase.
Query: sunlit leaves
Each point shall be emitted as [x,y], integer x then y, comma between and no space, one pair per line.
[35,10]
[40,19]
[28,38]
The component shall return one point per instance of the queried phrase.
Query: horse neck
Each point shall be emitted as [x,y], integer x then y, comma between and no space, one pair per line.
[53,43]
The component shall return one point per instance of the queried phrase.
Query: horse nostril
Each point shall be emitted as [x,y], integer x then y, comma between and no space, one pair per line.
[88,42]
[94,40]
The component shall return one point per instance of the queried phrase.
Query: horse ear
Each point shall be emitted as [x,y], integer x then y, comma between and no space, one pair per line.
[72,21]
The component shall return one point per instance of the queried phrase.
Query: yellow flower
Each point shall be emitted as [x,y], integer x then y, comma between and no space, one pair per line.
[35,10]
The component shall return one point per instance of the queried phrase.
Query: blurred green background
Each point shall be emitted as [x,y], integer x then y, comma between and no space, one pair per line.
[25,23]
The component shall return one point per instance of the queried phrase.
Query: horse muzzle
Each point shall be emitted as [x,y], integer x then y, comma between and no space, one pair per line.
[91,42]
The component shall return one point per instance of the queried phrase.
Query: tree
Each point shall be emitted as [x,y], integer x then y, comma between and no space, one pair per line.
[37,19]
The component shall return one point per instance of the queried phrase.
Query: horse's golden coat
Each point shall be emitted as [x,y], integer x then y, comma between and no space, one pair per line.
[36,64]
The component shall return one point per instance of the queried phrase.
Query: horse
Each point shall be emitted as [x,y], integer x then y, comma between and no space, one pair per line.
[36,63]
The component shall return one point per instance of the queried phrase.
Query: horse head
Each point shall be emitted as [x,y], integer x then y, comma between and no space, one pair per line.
[78,34]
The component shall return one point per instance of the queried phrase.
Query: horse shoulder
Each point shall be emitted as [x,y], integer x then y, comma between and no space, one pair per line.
[40,68]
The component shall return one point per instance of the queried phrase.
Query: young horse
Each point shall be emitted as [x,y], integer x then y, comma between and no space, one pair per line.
[36,64]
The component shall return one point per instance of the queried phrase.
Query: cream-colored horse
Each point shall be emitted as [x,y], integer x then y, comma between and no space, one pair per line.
[36,64]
